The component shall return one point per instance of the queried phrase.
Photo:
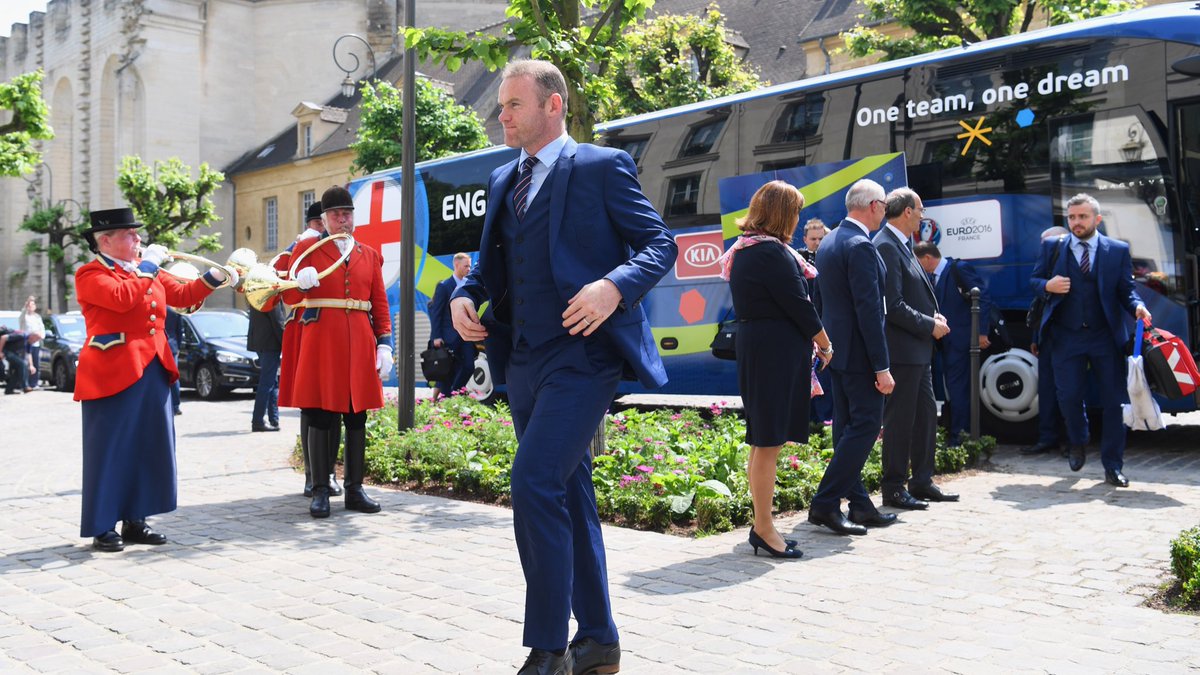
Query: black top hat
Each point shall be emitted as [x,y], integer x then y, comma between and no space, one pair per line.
[336,197]
[313,212]
[112,219]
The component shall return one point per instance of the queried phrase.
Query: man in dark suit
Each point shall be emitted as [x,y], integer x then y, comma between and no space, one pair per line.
[952,279]
[570,247]
[441,329]
[1090,299]
[850,297]
[913,323]
[265,338]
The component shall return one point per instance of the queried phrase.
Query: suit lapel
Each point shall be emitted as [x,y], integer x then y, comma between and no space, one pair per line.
[559,175]
[496,196]
[913,266]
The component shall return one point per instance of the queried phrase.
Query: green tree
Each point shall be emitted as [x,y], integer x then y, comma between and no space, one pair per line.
[30,122]
[939,24]
[443,126]
[170,204]
[674,60]
[581,37]
[64,245]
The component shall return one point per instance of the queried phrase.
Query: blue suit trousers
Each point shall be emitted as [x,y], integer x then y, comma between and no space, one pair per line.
[558,393]
[1071,360]
[857,417]
[1048,417]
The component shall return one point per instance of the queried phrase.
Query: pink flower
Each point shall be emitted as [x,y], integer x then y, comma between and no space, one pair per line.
[447,424]
[645,469]
[680,460]
[676,416]
[427,427]
[658,458]
[678,472]
[468,423]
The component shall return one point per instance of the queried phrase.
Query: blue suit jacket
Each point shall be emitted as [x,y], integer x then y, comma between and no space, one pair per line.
[957,309]
[440,324]
[601,226]
[850,294]
[1114,275]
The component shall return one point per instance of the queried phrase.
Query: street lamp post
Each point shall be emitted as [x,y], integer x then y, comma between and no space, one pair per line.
[408,159]
[405,375]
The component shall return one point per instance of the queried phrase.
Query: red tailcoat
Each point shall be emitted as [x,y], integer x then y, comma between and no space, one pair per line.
[335,360]
[125,313]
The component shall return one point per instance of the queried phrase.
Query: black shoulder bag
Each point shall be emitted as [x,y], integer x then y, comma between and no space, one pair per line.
[724,343]
[1033,318]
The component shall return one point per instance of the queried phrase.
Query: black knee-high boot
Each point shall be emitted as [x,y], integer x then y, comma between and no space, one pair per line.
[335,442]
[304,453]
[318,464]
[356,467]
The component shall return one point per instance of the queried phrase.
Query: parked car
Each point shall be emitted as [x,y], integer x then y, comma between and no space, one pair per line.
[212,357]
[65,336]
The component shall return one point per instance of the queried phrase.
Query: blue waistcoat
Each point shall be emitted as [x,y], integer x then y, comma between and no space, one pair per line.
[530,282]
[1081,307]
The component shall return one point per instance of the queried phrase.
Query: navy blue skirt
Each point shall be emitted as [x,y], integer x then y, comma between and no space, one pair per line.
[128,454]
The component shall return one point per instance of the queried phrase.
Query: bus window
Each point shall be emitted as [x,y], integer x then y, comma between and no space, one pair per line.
[635,146]
[1119,158]
[702,138]
[683,196]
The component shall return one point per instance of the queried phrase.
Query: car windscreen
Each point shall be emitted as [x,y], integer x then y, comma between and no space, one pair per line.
[71,328]
[221,325]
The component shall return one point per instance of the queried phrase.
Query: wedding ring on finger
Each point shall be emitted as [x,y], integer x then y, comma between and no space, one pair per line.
[586,323]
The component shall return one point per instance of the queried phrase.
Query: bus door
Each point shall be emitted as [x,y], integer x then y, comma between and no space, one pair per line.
[1120,157]
[1186,144]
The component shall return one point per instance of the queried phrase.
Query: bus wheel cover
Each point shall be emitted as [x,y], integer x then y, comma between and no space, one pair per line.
[1008,385]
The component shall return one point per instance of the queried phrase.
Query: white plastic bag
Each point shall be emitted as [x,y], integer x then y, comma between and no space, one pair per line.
[1142,412]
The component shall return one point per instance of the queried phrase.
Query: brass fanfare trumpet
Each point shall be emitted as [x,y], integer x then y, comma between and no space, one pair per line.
[182,268]
[262,281]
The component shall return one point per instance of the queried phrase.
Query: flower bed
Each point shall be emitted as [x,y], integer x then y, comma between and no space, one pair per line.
[660,469]
[1185,563]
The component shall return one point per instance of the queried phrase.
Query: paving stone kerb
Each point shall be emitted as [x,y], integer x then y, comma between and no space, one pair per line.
[1036,569]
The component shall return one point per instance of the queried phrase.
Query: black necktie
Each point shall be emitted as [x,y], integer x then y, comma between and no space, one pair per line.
[524,178]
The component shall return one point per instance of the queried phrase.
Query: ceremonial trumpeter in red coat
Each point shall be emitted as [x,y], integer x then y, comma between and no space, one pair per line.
[123,380]
[346,346]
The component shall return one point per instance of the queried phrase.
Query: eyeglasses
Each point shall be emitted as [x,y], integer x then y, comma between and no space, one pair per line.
[920,210]
[879,201]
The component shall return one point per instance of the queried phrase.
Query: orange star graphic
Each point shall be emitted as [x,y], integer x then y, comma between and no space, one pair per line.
[972,133]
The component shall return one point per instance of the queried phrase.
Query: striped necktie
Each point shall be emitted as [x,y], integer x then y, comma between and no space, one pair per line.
[1085,260]
[523,181]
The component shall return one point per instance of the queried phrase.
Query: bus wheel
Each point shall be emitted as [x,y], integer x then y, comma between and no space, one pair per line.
[1008,395]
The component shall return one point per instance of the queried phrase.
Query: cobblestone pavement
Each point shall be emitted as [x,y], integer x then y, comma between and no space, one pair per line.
[1037,569]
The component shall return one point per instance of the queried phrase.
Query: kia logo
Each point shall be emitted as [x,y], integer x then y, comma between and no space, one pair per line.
[702,254]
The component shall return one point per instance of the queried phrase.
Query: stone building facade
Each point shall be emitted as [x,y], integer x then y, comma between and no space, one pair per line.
[202,80]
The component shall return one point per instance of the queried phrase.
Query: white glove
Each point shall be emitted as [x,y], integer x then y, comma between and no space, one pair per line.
[155,254]
[383,361]
[307,278]
[308,234]
[219,273]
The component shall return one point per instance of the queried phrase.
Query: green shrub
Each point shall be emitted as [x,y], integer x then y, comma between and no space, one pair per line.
[1185,563]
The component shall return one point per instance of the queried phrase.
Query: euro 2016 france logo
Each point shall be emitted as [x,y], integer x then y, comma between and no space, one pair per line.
[929,231]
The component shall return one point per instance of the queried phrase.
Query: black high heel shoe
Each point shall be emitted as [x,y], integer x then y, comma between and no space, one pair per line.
[791,552]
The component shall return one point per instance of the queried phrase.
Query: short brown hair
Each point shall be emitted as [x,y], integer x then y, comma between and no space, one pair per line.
[548,78]
[774,210]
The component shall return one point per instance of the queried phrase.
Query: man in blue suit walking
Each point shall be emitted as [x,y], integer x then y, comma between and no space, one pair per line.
[1090,299]
[570,247]
[850,297]
[441,329]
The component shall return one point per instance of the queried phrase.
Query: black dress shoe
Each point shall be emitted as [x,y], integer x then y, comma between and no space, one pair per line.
[1076,456]
[835,521]
[357,500]
[900,499]
[1116,478]
[876,519]
[262,427]
[138,532]
[591,657]
[932,493]
[542,662]
[789,552]
[1039,448]
[109,542]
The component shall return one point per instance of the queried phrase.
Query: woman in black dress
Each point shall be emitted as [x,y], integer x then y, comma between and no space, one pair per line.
[777,330]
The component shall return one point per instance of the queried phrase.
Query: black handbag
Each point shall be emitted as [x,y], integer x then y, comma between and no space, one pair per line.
[437,364]
[724,343]
[1033,318]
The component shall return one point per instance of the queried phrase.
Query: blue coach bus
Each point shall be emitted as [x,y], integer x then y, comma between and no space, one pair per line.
[994,136]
